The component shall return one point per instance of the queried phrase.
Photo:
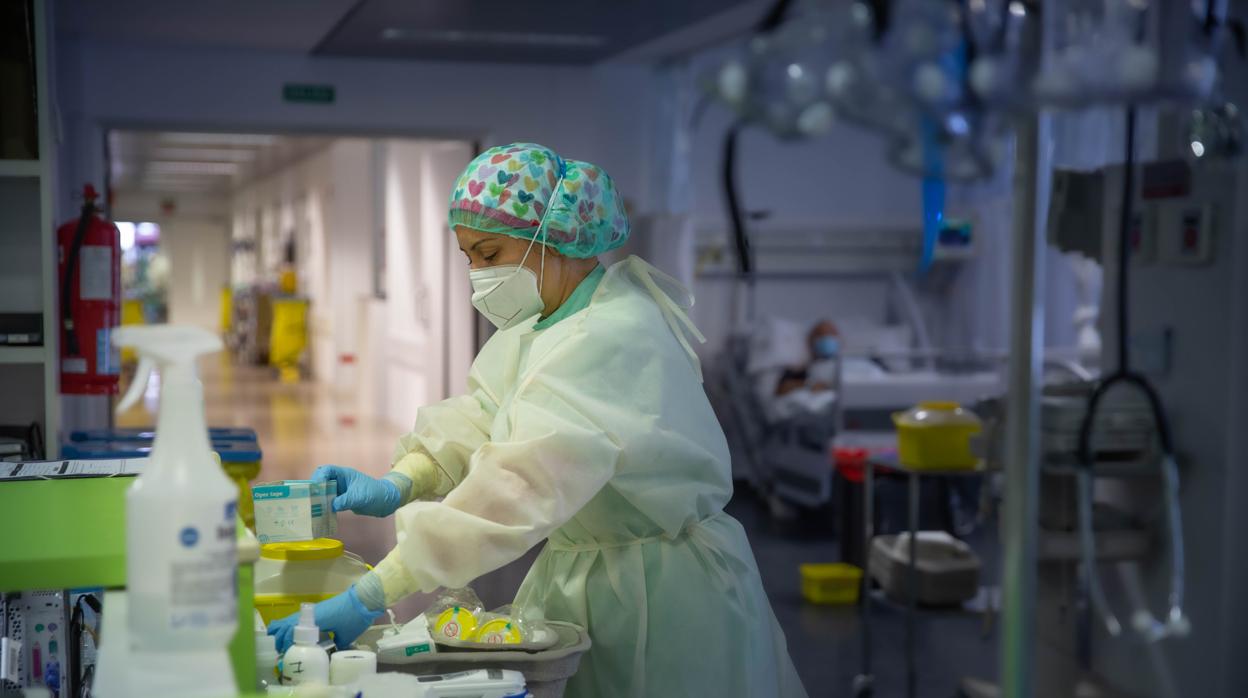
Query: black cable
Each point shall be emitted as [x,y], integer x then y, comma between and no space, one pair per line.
[774,17]
[882,16]
[80,680]
[1123,372]
[1124,248]
[745,255]
[73,666]
[745,259]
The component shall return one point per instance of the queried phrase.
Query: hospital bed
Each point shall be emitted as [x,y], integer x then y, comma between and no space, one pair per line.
[786,460]
[790,459]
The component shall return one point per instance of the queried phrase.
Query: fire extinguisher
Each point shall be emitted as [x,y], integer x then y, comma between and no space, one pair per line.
[89,270]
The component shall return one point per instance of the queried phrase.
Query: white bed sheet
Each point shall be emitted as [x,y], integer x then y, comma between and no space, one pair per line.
[895,390]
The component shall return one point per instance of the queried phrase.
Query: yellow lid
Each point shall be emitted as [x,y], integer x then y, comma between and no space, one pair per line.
[303,550]
[936,414]
[499,631]
[456,623]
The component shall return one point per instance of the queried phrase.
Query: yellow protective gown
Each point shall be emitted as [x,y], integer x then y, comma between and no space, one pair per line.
[596,434]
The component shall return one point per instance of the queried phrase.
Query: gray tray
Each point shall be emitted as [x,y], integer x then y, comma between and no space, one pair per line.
[546,672]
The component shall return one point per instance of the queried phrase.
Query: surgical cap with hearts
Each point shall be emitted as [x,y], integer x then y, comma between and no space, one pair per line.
[526,190]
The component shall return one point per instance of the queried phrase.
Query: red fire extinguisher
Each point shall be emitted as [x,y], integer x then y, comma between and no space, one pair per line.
[89,270]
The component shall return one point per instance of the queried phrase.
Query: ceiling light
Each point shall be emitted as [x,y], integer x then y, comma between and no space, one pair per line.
[218,138]
[451,36]
[207,154]
[190,167]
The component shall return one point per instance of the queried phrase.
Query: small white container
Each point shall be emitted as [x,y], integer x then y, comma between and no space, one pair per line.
[348,666]
[266,661]
[305,662]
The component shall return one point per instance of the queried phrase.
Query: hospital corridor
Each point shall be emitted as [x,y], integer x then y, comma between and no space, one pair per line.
[734,348]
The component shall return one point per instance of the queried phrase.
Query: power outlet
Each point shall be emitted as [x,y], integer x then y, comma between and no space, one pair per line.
[1186,237]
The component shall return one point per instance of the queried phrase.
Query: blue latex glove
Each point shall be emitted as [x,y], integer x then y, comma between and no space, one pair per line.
[360,493]
[343,615]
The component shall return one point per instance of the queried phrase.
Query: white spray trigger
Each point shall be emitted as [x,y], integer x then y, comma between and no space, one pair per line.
[137,385]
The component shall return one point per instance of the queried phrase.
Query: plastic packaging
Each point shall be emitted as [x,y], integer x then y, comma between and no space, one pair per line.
[453,615]
[497,629]
[349,666]
[507,625]
[457,619]
[399,645]
[306,662]
[181,511]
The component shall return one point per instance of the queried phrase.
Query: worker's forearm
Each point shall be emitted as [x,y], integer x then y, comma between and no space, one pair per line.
[391,579]
[403,482]
[425,479]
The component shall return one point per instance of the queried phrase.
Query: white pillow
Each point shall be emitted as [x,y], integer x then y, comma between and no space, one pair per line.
[778,343]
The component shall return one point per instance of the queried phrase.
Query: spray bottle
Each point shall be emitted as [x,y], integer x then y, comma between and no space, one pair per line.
[180,518]
[306,662]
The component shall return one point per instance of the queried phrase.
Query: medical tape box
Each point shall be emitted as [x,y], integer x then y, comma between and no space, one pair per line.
[294,510]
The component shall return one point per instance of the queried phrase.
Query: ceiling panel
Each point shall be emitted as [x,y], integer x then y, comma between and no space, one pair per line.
[278,25]
[572,32]
[160,161]
[532,31]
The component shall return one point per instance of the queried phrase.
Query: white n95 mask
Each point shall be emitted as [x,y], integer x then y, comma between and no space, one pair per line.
[506,295]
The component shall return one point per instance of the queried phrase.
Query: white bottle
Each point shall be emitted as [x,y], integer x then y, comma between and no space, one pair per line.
[306,662]
[180,512]
[266,661]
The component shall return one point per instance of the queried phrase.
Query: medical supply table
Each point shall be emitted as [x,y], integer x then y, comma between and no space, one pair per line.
[864,682]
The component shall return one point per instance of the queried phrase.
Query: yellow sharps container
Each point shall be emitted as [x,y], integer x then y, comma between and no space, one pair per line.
[288,574]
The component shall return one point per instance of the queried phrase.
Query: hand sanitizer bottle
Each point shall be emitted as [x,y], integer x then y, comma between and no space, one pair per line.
[306,662]
[180,512]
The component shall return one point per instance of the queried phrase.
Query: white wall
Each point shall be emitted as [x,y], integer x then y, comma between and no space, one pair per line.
[428,318]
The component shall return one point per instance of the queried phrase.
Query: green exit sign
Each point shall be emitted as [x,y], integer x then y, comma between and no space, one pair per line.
[314,94]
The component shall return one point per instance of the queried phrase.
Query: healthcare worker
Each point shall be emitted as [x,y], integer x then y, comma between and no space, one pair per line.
[585,425]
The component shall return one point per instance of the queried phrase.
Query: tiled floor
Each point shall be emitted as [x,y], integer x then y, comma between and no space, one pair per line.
[302,426]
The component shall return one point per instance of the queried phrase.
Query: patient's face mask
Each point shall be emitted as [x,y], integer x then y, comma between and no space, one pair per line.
[827,347]
[507,294]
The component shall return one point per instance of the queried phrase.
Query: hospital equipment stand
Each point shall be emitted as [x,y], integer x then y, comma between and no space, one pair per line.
[864,682]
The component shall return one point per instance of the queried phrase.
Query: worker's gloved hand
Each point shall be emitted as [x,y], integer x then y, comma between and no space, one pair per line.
[360,493]
[343,615]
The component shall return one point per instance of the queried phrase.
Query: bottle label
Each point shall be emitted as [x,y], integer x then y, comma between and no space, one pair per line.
[203,575]
[184,576]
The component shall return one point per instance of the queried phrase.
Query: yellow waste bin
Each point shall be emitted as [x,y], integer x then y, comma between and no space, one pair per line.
[289,336]
[289,574]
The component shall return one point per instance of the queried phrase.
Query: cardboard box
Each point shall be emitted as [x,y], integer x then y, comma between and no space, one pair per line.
[294,510]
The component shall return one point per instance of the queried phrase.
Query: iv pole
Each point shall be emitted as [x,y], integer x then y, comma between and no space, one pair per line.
[1022,463]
